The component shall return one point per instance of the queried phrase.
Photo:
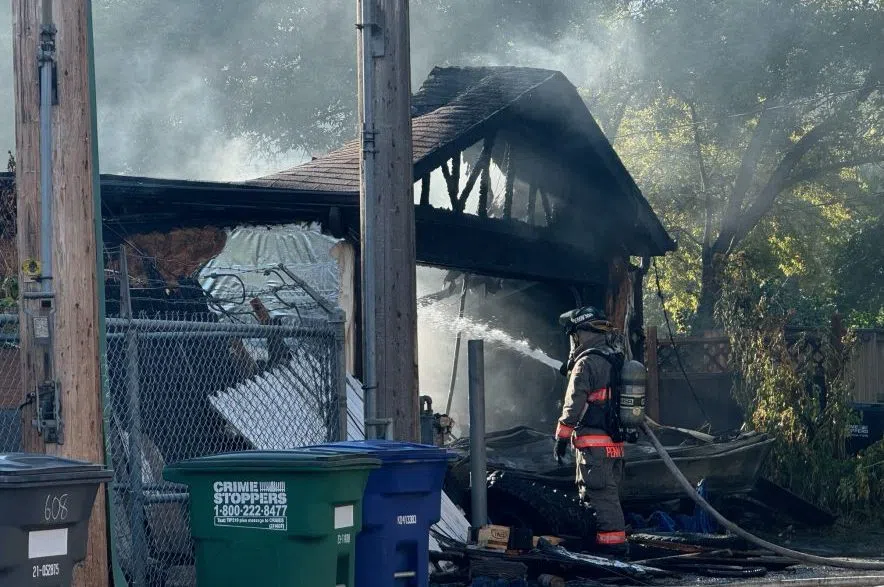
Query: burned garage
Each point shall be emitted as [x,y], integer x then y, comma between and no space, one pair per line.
[243,298]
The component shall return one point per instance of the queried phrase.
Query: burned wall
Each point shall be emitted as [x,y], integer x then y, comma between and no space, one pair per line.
[524,346]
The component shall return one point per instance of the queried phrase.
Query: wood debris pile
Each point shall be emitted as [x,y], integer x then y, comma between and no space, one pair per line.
[500,556]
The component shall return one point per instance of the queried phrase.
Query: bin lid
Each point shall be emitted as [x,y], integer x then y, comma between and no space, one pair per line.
[276,461]
[390,451]
[21,466]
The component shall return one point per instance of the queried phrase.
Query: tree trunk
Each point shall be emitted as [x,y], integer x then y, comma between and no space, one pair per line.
[710,290]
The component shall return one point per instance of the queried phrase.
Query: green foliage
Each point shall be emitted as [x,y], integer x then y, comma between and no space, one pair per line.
[803,404]
[9,293]
[859,275]
[756,127]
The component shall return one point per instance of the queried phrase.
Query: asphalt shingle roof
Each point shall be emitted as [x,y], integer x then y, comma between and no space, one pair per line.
[451,101]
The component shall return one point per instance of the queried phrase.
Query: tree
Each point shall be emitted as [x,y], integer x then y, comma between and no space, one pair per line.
[860,275]
[754,103]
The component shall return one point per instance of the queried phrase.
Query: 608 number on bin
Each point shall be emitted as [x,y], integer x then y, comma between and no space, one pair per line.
[251,510]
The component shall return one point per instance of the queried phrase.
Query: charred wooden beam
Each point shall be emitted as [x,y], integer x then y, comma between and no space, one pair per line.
[485,193]
[510,183]
[425,190]
[547,207]
[452,179]
[638,317]
[481,166]
[464,242]
[532,204]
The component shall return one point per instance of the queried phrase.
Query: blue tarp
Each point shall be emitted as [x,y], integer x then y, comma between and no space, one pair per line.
[699,522]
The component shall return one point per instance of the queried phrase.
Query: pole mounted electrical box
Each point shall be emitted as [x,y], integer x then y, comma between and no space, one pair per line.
[46,396]
[49,422]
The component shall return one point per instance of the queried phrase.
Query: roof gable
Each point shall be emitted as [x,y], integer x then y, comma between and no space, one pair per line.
[457,106]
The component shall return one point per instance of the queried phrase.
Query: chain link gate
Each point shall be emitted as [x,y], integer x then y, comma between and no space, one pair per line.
[187,388]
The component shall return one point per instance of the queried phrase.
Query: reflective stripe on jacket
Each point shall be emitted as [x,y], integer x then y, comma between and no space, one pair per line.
[608,538]
[613,450]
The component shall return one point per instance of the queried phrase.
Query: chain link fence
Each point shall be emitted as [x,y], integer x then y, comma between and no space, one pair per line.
[11,396]
[193,387]
[189,386]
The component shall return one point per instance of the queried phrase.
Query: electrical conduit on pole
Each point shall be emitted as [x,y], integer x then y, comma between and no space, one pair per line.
[44,298]
[46,56]
[367,29]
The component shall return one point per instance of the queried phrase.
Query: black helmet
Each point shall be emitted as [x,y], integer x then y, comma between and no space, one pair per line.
[585,318]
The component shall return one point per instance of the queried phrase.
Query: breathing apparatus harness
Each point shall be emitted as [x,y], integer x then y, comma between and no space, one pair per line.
[624,408]
[613,424]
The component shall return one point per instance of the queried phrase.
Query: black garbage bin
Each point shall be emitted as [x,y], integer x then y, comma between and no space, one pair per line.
[45,506]
[870,429]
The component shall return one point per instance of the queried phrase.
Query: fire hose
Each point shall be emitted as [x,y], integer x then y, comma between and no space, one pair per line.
[859,564]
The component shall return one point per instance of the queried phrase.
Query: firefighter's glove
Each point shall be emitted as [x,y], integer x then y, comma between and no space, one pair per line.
[561,449]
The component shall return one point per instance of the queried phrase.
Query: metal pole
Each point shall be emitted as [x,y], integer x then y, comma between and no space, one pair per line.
[326,305]
[136,481]
[340,375]
[367,29]
[46,56]
[478,463]
[463,299]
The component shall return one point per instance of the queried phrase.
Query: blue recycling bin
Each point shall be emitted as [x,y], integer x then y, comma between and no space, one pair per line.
[403,499]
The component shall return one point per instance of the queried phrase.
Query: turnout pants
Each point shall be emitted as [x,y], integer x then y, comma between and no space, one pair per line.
[598,482]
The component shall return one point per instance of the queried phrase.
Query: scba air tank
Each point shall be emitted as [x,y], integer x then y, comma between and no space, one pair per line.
[632,399]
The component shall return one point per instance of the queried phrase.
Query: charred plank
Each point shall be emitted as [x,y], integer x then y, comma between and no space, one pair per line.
[510,183]
[481,167]
[425,190]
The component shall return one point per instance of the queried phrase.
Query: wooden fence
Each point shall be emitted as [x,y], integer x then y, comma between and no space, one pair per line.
[868,367]
[691,382]
[691,387]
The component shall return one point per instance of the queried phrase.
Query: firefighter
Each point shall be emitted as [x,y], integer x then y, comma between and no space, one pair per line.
[586,424]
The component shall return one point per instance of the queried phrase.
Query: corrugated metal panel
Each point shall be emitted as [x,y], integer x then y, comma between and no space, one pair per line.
[453,524]
[251,251]
[262,409]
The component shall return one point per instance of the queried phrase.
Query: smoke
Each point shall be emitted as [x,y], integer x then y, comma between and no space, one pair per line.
[7,102]
[230,90]
[522,383]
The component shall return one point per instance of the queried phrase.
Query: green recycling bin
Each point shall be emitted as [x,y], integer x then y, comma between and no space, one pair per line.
[275,518]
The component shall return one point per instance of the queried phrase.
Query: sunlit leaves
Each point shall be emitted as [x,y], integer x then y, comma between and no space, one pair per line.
[802,404]
[804,63]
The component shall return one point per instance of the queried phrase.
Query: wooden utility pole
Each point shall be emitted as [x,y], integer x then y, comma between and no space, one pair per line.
[387,213]
[75,243]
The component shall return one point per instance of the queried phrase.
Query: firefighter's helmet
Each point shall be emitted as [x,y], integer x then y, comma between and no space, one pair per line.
[585,318]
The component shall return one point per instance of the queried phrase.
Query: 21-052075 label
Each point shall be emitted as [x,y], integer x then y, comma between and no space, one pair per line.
[260,505]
